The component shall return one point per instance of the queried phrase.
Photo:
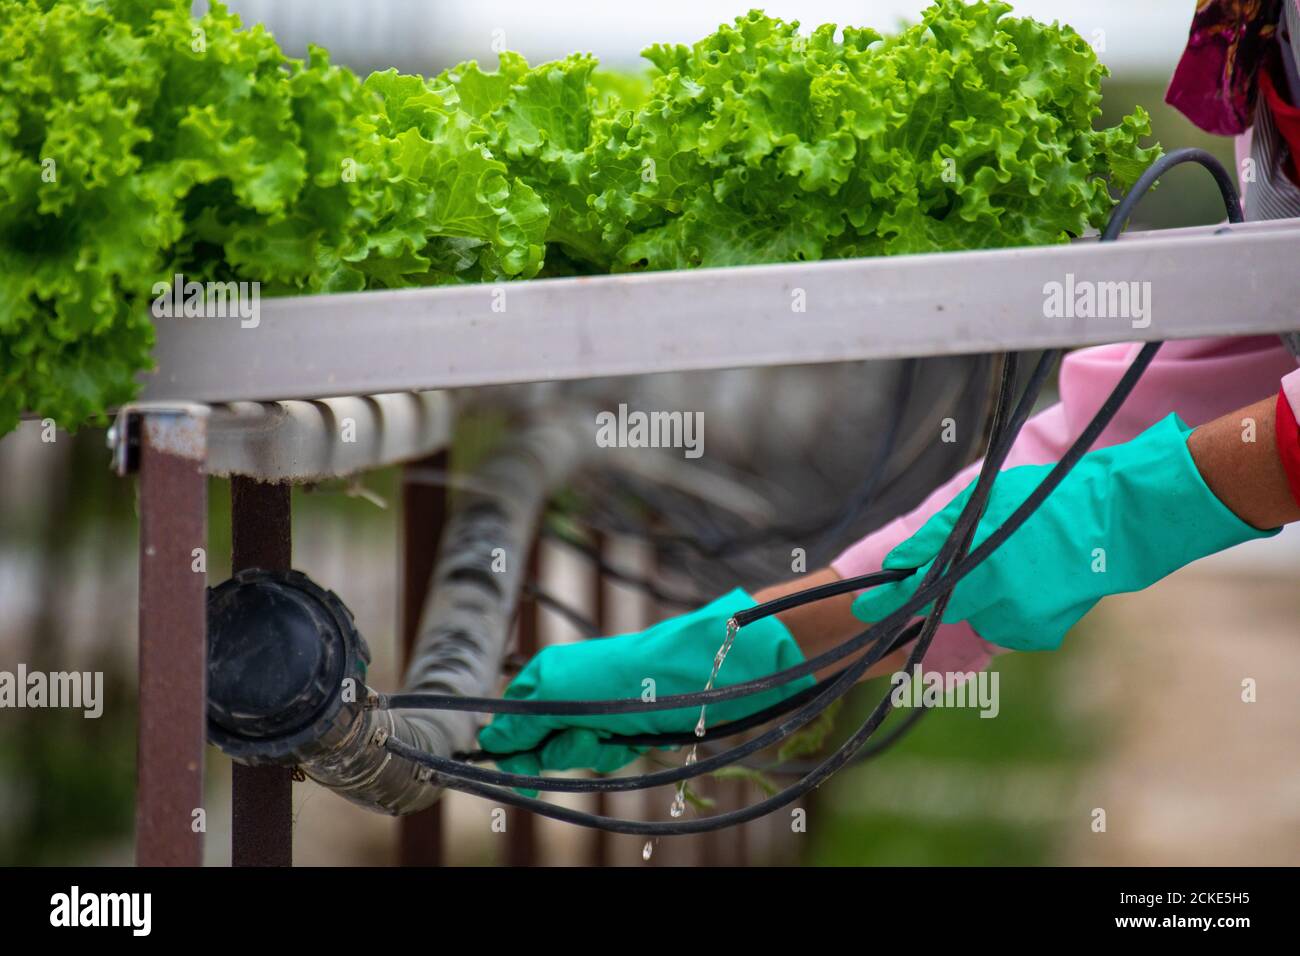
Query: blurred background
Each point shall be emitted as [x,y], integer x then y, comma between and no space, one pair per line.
[1139,714]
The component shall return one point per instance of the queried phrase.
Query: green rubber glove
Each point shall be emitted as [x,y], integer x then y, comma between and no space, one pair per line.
[1122,519]
[677,654]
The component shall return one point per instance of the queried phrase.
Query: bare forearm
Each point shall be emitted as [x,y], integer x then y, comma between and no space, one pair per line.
[1237,456]
[822,625]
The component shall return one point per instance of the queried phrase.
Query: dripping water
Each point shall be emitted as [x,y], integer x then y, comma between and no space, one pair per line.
[678,806]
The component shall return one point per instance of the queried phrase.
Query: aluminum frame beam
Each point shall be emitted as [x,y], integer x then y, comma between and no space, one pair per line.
[1207,281]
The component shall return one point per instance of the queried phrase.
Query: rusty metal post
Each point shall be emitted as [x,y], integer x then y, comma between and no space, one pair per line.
[261,797]
[521,838]
[424,512]
[173,636]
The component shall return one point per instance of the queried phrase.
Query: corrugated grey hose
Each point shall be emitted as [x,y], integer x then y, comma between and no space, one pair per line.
[466,621]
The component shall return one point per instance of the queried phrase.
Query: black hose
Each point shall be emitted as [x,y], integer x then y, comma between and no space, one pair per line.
[1222,178]
[447,767]
[585,625]
[717,732]
[622,575]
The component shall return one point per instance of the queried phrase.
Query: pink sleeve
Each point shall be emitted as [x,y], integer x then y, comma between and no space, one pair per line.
[1200,379]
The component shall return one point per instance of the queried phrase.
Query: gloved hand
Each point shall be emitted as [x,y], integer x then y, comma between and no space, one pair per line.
[1122,519]
[677,654]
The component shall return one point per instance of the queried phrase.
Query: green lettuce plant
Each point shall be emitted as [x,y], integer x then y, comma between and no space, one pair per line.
[137,142]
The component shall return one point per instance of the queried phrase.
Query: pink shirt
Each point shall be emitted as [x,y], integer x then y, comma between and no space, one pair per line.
[1200,379]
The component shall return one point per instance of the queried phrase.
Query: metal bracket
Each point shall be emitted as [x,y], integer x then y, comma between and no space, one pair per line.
[173,428]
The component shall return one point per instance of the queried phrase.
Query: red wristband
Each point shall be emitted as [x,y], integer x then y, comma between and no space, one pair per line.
[1288,443]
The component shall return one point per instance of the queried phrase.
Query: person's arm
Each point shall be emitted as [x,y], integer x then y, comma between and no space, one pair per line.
[1123,518]
[1200,379]
[822,625]
[1246,475]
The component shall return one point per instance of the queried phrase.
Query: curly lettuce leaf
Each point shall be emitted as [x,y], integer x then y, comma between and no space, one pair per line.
[971,129]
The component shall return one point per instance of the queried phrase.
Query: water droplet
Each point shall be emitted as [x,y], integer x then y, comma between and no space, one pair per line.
[648,850]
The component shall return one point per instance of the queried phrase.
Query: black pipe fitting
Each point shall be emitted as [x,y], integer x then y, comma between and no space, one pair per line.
[281,651]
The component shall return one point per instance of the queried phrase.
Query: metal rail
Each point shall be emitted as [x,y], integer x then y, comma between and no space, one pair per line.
[261,534]
[560,329]
[173,631]
[424,516]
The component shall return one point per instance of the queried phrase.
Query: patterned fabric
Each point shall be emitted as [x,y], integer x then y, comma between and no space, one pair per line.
[1214,85]
[1272,194]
